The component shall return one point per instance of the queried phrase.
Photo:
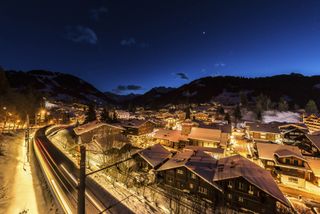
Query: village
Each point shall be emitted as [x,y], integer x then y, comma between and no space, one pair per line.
[201,158]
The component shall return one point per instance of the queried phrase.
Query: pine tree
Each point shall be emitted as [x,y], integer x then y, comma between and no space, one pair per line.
[311,107]
[4,84]
[227,118]
[237,113]
[104,116]
[243,99]
[187,111]
[221,110]
[91,114]
[283,105]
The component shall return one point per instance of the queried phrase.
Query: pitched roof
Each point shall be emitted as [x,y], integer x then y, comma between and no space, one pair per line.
[91,126]
[225,128]
[205,134]
[268,150]
[155,155]
[297,125]
[314,164]
[198,162]
[265,127]
[133,123]
[315,139]
[170,135]
[178,160]
[238,166]
[286,152]
[204,149]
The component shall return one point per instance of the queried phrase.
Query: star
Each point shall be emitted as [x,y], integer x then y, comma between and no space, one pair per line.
[204,33]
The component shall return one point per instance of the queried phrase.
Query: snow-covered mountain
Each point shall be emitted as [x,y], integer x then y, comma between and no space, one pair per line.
[56,86]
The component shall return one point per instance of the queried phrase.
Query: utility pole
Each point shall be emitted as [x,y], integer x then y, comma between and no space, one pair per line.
[27,136]
[82,178]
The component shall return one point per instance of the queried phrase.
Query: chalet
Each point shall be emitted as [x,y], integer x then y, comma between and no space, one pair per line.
[310,144]
[249,188]
[233,181]
[314,164]
[285,163]
[267,132]
[96,130]
[200,116]
[292,132]
[207,137]
[191,172]
[312,121]
[137,127]
[171,138]
[151,157]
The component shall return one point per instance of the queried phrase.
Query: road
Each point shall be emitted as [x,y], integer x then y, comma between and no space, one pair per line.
[62,176]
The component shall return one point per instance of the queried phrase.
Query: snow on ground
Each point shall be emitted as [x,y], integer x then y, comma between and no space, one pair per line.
[278,116]
[20,188]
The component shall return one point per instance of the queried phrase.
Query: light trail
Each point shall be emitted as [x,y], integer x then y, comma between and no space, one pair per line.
[96,204]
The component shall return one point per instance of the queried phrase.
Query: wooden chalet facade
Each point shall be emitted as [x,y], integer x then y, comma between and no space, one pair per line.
[249,188]
[312,121]
[266,132]
[286,163]
[292,133]
[137,127]
[234,182]
[190,172]
[310,145]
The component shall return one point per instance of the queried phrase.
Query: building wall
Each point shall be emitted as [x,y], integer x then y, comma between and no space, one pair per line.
[186,181]
[293,181]
[240,194]
[265,136]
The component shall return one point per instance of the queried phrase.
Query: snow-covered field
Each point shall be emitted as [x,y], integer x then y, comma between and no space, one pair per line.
[278,116]
[21,186]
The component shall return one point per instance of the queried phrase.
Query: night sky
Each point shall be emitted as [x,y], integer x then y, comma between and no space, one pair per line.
[133,45]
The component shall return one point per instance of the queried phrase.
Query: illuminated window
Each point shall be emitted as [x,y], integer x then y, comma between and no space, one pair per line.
[191,186]
[180,171]
[241,186]
[193,176]
[229,196]
[203,190]
[240,199]
[230,184]
[250,190]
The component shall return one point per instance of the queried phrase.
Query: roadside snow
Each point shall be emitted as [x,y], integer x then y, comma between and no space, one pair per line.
[21,187]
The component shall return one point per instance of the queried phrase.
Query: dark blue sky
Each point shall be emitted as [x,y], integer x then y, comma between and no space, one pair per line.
[115,43]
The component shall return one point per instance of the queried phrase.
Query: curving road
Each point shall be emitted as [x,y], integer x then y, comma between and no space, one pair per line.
[62,177]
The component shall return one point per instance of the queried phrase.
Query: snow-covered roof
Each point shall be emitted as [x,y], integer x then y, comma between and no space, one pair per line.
[91,126]
[198,162]
[238,166]
[170,135]
[265,127]
[133,123]
[315,139]
[155,155]
[205,134]
[268,150]
[314,164]
[205,149]
[284,152]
